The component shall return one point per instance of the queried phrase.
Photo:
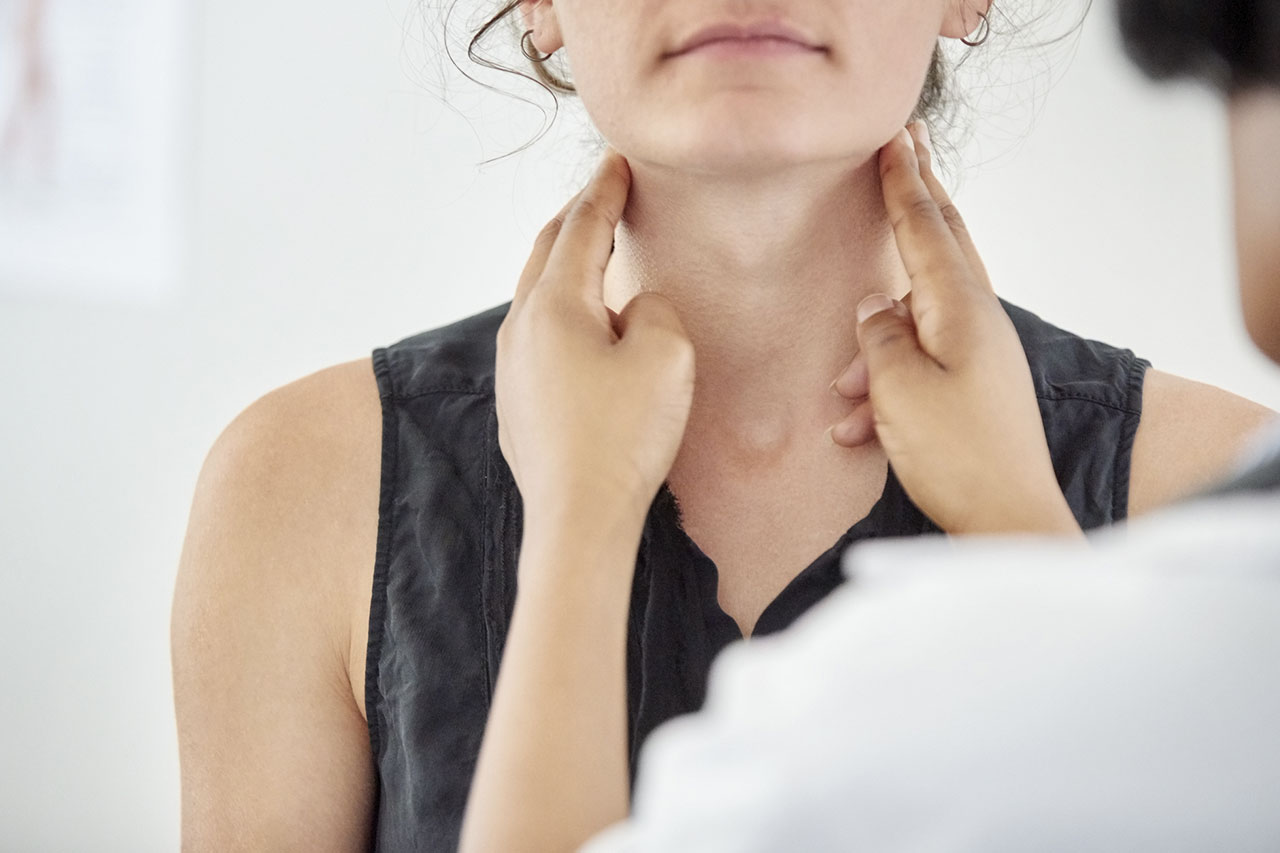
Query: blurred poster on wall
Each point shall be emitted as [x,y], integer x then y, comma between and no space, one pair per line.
[93,101]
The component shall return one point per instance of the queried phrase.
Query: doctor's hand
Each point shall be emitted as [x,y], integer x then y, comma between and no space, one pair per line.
[942,377]
[591,404]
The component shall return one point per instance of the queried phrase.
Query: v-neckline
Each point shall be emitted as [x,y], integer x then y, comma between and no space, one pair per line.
[667,513]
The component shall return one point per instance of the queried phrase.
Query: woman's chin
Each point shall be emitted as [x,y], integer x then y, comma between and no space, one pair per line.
[726,154]
[739,142]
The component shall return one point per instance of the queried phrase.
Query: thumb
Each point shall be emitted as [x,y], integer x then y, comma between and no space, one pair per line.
[886,336]
[650,319]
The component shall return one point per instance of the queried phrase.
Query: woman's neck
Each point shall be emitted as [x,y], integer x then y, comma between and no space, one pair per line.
[766,275]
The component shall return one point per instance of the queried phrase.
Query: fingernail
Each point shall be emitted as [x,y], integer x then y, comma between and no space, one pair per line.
[829,432]
[873,304]
[904,136]
[834,392]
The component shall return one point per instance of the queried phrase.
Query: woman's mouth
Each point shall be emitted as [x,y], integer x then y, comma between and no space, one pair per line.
[750,47]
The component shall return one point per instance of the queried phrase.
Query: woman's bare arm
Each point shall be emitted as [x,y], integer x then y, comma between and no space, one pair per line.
[1189,436]
[273,745]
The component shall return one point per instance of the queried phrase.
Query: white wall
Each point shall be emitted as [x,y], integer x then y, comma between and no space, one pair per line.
[335,208]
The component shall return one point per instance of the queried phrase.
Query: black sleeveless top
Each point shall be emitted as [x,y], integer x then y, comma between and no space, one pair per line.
[449,535]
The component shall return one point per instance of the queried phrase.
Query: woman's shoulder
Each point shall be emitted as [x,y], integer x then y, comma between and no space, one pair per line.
[309,433]
[1162,436]
[266,635]
[295,476]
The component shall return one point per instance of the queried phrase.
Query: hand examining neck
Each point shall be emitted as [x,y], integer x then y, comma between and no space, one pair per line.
[766,272]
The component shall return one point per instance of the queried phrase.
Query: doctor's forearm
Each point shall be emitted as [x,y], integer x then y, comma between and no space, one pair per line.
[553,766]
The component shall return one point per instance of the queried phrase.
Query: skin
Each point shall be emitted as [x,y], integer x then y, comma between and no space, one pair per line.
[716,220]
[270,613]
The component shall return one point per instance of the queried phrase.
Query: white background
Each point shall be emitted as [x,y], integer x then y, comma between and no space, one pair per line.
[334,206]
[94,207]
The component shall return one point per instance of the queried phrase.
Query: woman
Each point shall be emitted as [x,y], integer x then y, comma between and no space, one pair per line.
[975,695]
[349,576]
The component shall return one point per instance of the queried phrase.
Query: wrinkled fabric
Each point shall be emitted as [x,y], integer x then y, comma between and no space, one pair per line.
[449,538]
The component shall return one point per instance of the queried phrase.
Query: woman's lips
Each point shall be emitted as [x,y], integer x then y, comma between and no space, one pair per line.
[750,47]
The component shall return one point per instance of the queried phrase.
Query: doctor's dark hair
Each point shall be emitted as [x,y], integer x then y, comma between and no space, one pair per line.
[1230,44]
[939,103]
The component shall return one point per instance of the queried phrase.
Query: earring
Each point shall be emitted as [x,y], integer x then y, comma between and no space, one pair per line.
[984,28]
[530,50]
